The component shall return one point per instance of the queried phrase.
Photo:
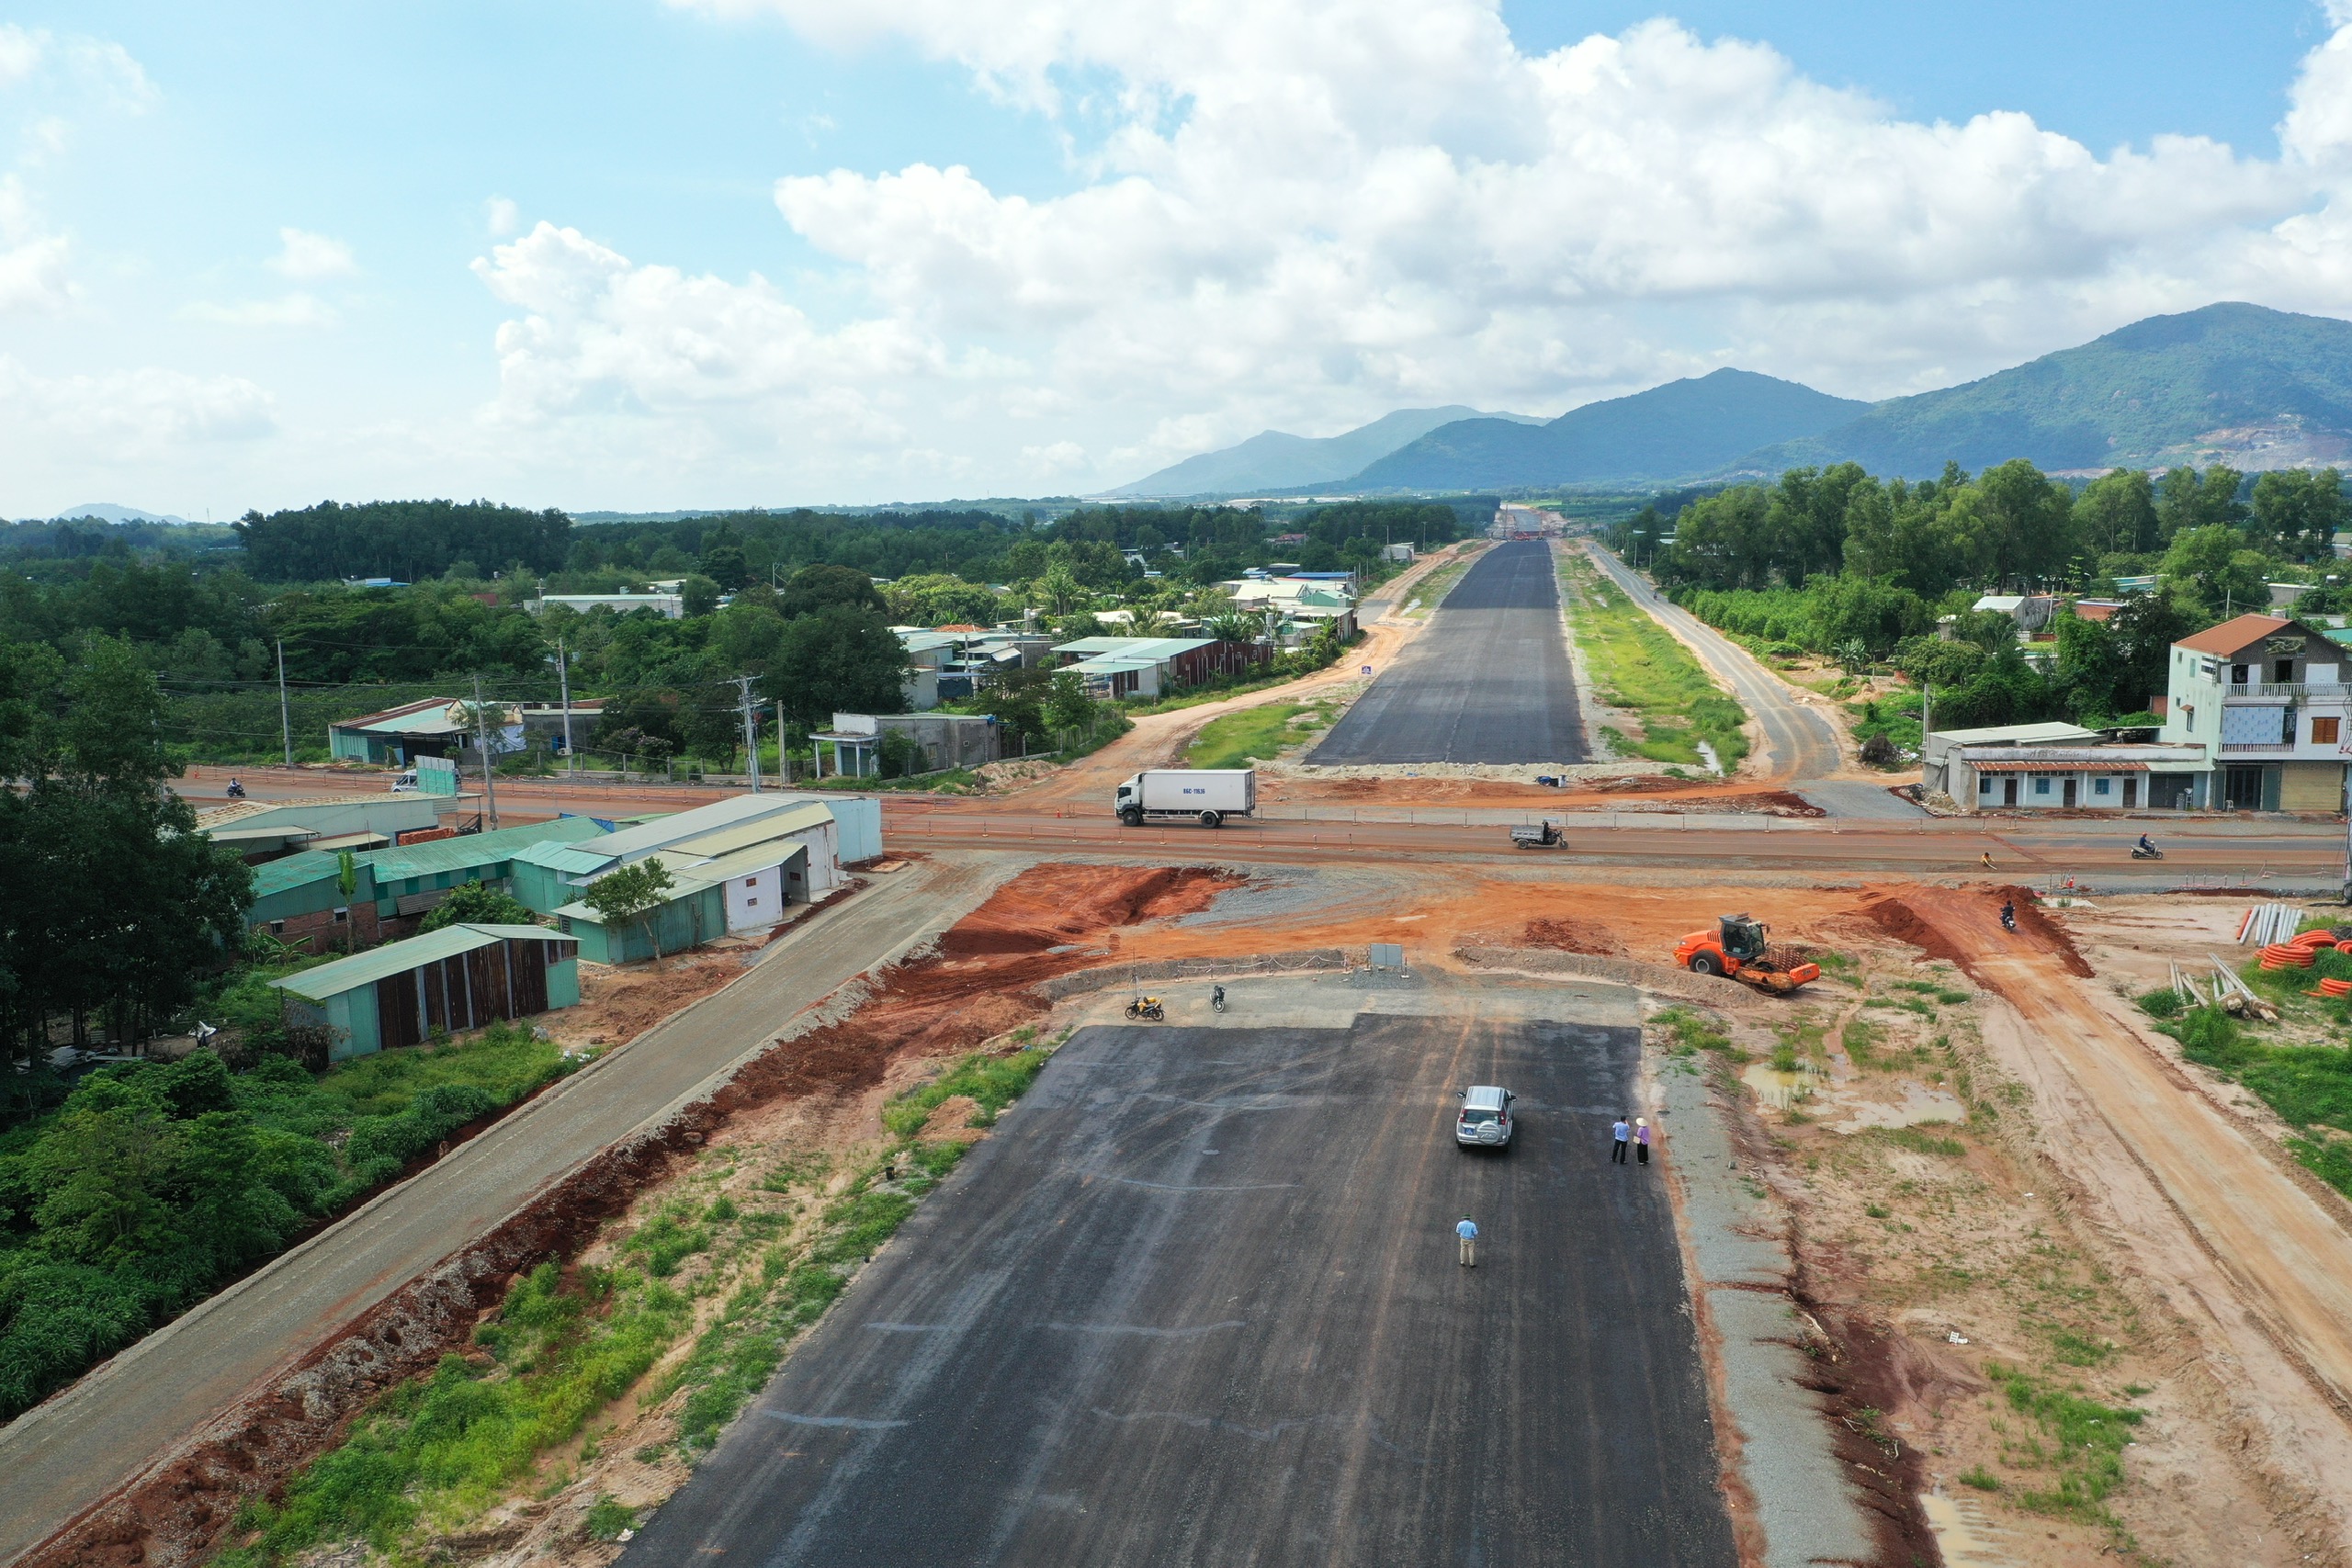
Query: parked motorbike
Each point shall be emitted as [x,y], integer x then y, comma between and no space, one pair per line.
[1147,1009]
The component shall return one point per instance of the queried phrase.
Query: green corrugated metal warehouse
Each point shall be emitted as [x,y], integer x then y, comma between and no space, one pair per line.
[304,883]
[694,913]
[448,981]
[411,878]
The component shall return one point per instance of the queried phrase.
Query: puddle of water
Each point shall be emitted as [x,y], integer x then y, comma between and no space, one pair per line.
[1714,763]
[1964,1532]
[1920,1104]
[1776,1089]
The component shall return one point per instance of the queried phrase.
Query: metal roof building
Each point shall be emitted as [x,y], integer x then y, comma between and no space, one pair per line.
[326,821]
[447,981]
[411,878]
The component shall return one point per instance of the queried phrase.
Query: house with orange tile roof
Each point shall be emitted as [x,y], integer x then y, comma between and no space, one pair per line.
[2268,696]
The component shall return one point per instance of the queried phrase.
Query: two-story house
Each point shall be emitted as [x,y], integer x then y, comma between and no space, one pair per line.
[2267,695]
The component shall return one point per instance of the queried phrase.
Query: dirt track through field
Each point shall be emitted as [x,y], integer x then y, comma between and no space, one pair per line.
[2290,1258]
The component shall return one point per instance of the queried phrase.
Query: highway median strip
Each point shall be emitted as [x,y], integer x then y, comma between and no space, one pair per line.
[1640,668]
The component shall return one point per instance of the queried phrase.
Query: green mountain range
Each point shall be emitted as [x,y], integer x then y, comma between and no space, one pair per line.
[1275,460]
[2231,383]
[1684,427]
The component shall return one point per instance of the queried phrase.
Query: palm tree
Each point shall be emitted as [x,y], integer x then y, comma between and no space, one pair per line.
[1059,591]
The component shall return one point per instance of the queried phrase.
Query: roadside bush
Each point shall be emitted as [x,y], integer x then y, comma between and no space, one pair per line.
[2163,1002]
[994,1082]
[380,1145]
[154,1182]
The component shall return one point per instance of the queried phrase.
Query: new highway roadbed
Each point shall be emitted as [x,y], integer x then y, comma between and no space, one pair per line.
[1197,1302]
[1487,682]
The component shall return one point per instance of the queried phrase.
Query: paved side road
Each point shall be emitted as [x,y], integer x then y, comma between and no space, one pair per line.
[1799,739]
[1197,1302]
[1487,682]
[62,1456]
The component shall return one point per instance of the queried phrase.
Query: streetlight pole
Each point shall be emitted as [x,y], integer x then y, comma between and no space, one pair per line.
[285,714]
[489,773]
[563,681]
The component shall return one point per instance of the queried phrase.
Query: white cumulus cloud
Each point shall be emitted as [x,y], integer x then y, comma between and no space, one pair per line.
[296,310]
[131,414]
[1305,212]
[304,256]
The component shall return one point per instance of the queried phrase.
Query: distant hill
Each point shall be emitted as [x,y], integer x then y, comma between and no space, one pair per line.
[2231,383]
[1275,460]
[1685,427]
[108,512]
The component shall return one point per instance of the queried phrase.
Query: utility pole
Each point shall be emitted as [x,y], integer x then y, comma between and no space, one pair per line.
[563,681]
[489,775]
[783,763]
[285,714]
[751,727]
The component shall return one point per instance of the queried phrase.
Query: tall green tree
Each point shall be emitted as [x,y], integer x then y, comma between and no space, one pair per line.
[112,904]
[2214,569]
[2188,500]
[2116,514]
[2298,512]
[840,659]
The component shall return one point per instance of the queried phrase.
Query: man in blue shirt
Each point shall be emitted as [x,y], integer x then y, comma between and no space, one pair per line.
[1468,1231]
[1621,1133]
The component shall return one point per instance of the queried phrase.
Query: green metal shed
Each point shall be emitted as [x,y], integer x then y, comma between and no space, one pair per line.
[457,978]
[548,876]
[695,913]
[411,878]
[304,883]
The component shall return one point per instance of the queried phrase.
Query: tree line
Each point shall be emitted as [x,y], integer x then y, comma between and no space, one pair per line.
[1838,563]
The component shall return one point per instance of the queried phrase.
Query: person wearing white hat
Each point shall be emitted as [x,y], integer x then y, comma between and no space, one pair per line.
[1642,1140]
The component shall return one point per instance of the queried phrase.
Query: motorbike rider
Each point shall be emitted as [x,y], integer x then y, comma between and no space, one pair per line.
[2008,914]
[2147,845]
[236,790]
[1217,998]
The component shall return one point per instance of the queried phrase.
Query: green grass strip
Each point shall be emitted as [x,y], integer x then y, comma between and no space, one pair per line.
[1639,667]
[1235,739]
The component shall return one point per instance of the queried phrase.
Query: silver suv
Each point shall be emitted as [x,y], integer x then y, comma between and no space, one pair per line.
[1485,1121]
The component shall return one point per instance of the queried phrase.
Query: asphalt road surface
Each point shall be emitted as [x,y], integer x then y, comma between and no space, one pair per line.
[62,1456]
[1197,1302]
[1487,682]
[1800,739]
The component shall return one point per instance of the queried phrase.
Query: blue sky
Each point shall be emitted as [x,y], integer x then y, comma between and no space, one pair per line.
[160,153]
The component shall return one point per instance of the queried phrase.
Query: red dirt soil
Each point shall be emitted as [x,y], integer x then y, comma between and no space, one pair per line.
[2036,933]
[975,987]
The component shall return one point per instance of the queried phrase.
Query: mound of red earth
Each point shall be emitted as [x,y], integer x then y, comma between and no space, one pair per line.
[1570,935]
[1960,940]
[973,986]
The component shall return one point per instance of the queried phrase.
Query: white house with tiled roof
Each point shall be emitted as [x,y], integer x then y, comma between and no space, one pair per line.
[2267,694]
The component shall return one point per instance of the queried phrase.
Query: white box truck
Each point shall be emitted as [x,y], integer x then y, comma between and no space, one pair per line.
[1207,795]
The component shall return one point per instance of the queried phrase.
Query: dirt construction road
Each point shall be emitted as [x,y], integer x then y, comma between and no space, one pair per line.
[2283,1260]
[63,1456]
